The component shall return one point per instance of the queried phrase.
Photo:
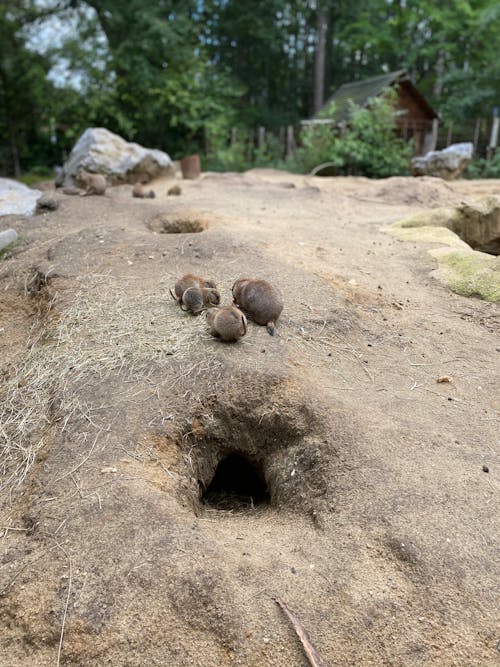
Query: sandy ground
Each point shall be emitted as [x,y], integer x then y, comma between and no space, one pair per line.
[381,533]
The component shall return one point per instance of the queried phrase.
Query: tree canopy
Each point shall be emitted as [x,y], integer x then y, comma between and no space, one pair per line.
[173,73]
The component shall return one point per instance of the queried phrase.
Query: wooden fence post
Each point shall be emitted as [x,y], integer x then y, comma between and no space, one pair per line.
[450,134]
[477,129]
[282,141]
[250,148]
[261,137]
[493,136]
[290,141]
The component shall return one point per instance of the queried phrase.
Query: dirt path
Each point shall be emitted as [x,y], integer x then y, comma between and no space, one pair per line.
[381,533]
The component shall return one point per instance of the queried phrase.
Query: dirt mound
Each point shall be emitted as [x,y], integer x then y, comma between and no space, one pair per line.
[161,488]
[425,191]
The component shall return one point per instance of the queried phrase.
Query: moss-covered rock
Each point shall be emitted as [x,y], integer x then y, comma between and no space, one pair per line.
[428,234]
[464,270]
[468,272]
[478,223]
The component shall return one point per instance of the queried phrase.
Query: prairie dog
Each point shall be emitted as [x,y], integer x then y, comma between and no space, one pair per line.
[187,281]
[139,191]
[228,323]
[94,184]
[261,300]
[196,299]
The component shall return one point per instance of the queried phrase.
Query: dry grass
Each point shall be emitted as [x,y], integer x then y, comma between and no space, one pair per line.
[109,328]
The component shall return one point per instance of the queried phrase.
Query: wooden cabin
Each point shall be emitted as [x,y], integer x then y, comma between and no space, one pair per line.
[417,119]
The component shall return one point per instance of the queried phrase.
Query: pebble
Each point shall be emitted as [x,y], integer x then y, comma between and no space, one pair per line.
[7,237]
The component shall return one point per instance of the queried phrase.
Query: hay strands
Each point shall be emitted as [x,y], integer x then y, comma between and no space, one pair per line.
[312,654]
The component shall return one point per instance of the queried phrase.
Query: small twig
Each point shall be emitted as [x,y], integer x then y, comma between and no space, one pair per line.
[312,654]
[66,605]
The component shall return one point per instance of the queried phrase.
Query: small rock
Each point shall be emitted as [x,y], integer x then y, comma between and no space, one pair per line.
[444,378]
[7,237]
[174,191]
[108,469]
[486,469]
[47,203]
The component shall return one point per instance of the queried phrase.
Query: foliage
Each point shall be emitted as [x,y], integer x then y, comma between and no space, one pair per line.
[485,168]
[369,145]
[174,74]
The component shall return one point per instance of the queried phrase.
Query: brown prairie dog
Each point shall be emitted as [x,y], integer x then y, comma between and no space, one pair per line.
[261,300]
[139,192]
[93,184]
[196,299]
[228,323]
[190,280]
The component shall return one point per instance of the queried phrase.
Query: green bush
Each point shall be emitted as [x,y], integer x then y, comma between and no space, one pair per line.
[369,145]
[484,168]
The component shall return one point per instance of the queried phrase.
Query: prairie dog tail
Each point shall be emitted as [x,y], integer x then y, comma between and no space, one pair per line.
[270,327]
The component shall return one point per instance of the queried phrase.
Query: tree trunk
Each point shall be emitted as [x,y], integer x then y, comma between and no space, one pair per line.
[439,69]
[320,58]
[11,129]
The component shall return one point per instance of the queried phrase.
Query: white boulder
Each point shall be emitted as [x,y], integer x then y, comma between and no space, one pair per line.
[448,163]
[100,151]
[17,198]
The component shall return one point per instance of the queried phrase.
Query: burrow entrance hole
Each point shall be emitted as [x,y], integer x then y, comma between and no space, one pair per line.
[237,484]
[183,223]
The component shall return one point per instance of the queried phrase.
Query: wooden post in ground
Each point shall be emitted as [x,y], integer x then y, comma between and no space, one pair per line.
[494,135]
[261,137]
[450,134]
[430,138]
[282,140]
[250,148]
[477,129]
[435,130]
[290,141]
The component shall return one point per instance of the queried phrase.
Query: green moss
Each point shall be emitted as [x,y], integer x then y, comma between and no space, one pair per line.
[468,272]
[427,234]
[437,217]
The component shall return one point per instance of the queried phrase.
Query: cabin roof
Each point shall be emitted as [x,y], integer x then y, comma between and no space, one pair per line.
[360,92]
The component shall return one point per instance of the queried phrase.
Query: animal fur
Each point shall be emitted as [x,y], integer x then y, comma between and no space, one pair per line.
[139,191]
[196,299]
[93,184]
[261,300]
[228,323]
[190,280]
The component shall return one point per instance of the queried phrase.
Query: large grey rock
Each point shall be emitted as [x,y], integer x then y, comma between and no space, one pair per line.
[17,198]
[7,237]
[100,151]
[448,163]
